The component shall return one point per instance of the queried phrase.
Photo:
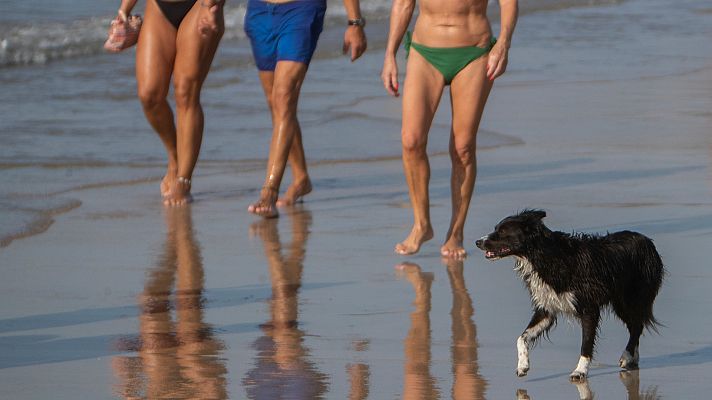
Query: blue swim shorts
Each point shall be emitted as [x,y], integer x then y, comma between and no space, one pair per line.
[283,31]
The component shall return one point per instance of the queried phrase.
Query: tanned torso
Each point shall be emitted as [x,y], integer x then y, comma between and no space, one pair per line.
[452,23]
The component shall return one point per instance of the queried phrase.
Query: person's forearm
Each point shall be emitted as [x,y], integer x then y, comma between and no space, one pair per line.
[401,13]
[127,6]
[353,9]
[508,17]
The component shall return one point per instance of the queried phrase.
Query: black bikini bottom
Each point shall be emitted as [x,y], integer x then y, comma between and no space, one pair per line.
[175,11]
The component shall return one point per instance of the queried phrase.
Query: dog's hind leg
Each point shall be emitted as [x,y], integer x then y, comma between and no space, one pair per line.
[630,356]
[540,323]
[589,327]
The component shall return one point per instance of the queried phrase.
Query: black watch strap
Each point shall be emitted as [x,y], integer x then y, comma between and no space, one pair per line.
[357,22]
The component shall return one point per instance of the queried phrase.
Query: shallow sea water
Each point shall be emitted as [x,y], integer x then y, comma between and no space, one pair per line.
[603,120]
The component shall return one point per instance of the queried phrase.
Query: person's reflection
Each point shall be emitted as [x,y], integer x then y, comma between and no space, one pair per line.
[418,383]
[359,374]
[282,369]
[181,358]
[467,382]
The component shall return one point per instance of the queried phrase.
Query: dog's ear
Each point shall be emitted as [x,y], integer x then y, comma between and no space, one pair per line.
[536,215]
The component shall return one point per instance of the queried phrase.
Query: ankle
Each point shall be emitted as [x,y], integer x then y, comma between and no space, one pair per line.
[269,192]
[421,227]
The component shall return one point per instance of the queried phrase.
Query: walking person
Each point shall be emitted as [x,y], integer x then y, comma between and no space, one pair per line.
[177,42]
[284,35]
[452,44]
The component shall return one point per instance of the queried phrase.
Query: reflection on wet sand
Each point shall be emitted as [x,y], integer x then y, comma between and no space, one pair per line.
[282,367]
[467,382]
[359,374]
[177,357]
[418,381]
[630,379]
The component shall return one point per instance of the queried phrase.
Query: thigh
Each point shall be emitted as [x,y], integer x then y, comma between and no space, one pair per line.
[469,91]
[288,78]
[195,52]
[422,90]
[155,51]
[267,81]
[300,24]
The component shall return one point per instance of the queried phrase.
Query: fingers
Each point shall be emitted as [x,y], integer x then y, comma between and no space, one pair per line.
[496,65]
[356,52]
[390,83]
[356,49]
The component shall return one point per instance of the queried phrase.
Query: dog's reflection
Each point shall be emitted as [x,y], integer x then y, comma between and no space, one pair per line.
[178,355]
[418,381]
[282,367]
[630,380]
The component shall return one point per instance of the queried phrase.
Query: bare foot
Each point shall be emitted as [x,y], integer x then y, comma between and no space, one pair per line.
[412,243]
[179,193]
[167,182]
[453,249]
[266,206]
[295,192]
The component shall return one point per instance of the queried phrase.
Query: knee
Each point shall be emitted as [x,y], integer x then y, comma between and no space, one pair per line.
[413,144]
[463,154]
[186,91]
[151,97]
[283,100]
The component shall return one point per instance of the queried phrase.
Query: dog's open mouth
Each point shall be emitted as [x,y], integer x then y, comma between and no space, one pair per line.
[498,253]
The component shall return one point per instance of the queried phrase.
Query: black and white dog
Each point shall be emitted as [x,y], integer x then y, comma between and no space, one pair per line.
[579,275]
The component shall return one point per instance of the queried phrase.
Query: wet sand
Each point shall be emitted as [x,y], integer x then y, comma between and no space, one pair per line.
[122,298]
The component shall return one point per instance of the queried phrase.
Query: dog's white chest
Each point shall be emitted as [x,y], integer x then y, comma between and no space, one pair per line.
[543,295]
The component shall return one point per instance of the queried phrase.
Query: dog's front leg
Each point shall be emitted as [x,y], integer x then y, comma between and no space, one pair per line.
[589,326]
[541,322]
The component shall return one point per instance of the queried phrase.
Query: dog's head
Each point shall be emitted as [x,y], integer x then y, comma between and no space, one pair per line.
[511,235]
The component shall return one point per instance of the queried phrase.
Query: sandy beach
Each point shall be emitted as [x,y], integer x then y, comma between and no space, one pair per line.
[598,122]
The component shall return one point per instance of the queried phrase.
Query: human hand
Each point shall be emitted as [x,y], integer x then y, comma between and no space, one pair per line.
[389,76]
[497,61]
[354,40]
[208,17]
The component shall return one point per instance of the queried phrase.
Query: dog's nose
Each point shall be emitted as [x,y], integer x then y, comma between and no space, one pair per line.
[478,243]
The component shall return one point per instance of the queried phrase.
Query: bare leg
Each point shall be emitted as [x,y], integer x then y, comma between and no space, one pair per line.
[288,78]
[194,54]
[301,184]
[155,55]
[422,90]
[468,94]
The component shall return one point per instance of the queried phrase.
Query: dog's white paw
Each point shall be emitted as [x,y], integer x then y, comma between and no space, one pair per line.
[628,361]
[522,371]
[578,376]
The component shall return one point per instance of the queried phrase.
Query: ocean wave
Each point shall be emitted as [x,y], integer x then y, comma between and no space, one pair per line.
[42,42]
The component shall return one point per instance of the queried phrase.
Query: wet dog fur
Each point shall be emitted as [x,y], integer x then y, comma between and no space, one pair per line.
[579,275]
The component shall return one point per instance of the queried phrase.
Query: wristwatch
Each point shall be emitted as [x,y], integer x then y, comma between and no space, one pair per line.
[358,22]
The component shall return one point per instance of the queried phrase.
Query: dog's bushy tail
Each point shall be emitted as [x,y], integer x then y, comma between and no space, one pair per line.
[652,272]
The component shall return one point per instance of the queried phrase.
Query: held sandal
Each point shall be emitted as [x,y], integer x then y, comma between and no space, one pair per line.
[123,32]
